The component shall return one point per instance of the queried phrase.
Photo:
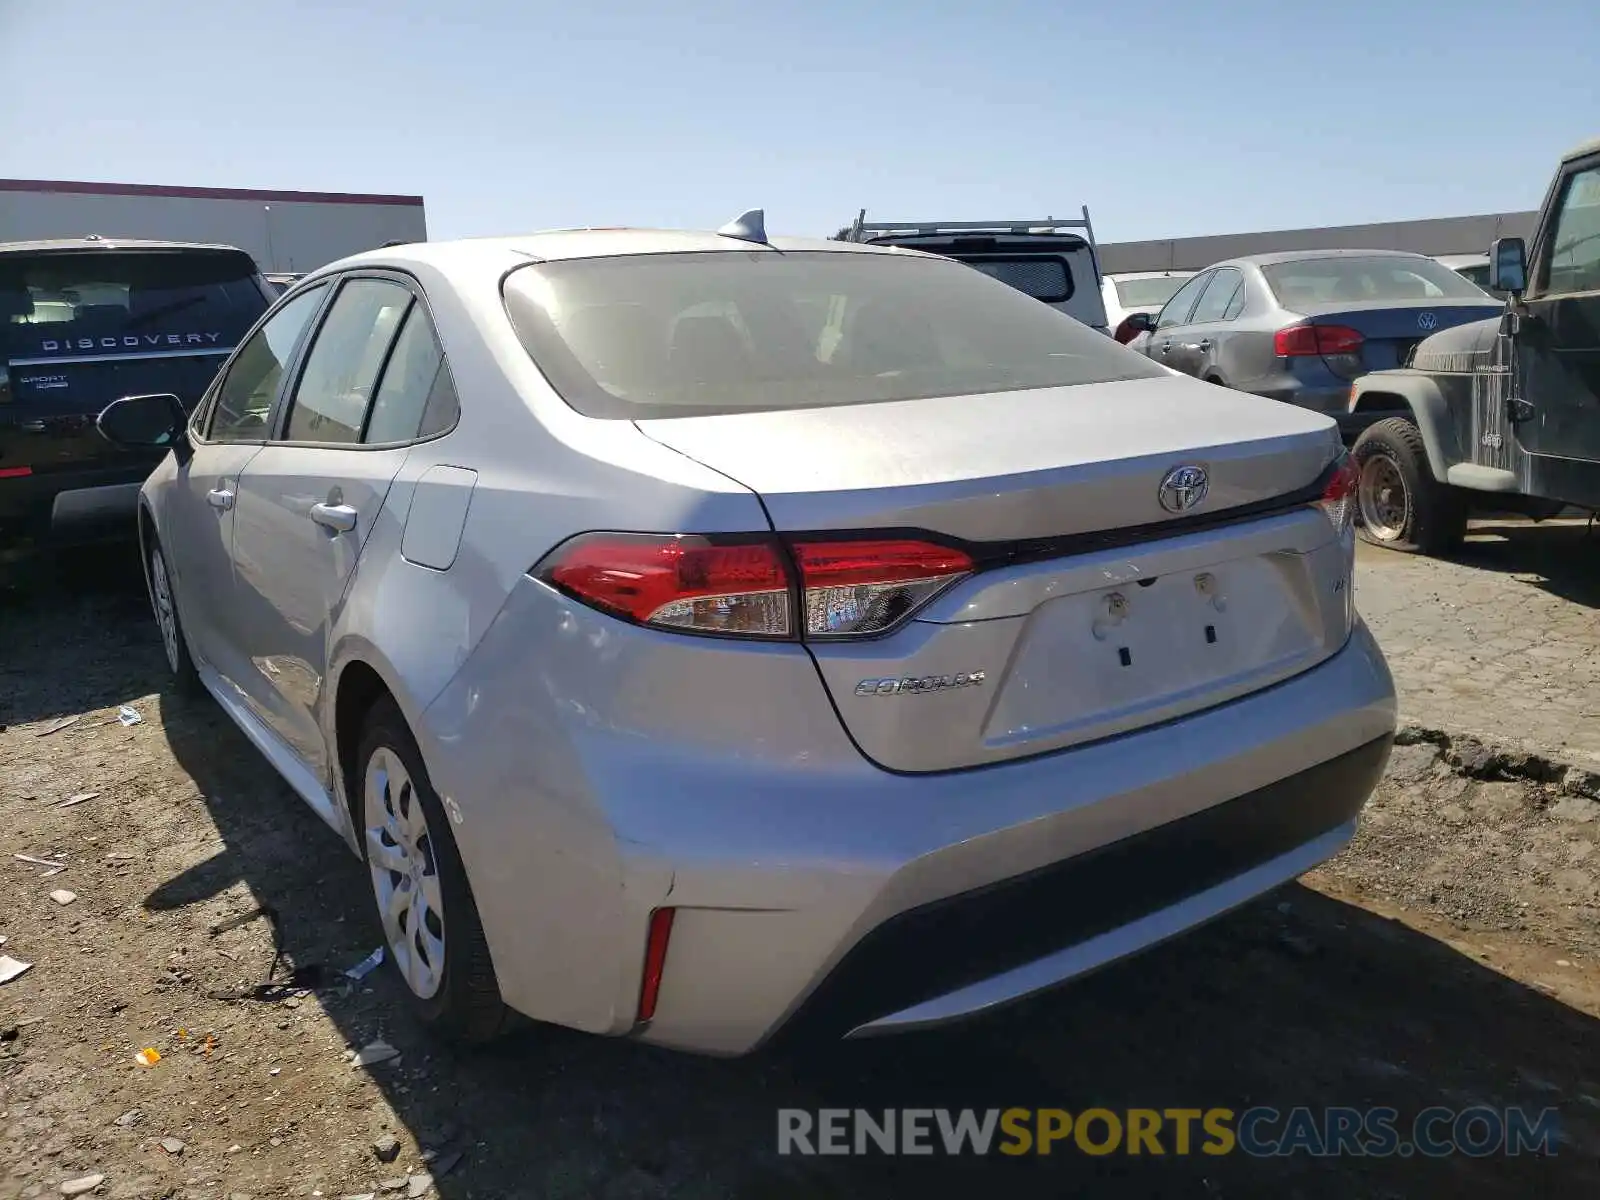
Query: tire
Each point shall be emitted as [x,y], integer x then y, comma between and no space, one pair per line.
[446,973]
[185,679]
[1402,506]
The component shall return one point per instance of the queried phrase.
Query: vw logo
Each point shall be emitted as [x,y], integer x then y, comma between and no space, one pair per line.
[1427,320]
[1183,488]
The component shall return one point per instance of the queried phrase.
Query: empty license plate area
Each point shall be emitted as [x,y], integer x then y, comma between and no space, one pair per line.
[1113,658]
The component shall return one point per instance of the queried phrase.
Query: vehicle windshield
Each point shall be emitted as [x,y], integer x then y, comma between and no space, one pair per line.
[1323,281]
[105,304]
[1148,293]
[664,335]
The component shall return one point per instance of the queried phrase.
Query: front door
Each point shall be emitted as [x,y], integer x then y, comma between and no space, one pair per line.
[1194,344]
[309,500]
[1558,344]
[229,429]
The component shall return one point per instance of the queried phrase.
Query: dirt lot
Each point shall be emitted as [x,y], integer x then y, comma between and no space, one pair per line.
[1451,957]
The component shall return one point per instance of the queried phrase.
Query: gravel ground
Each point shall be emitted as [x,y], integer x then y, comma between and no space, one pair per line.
[1451,957]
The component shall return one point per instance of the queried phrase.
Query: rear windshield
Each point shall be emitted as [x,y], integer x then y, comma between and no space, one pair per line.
[107,304]
[1148,293]
[1043,277]
[664,335]
[1354,280]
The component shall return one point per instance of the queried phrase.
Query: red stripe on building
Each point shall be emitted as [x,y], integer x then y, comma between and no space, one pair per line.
[202,193]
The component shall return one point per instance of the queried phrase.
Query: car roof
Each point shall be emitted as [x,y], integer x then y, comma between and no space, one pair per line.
[1288,256]
[557,245]
[1582,150]
[93,243]
[1113,276]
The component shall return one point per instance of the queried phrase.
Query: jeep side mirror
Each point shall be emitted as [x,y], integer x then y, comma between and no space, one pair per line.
[1133,325]
[1508,266]
[150,422]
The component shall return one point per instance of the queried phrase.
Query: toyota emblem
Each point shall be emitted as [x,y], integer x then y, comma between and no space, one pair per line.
[1427,320]
[1183,488]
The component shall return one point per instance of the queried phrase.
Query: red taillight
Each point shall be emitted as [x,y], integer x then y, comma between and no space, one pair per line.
[1300,341]
[1339,497]
[745,586]
[655,960]
[693,583]
[15,472]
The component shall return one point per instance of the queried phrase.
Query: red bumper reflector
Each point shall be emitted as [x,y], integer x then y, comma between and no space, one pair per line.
[15,472]
[655,958]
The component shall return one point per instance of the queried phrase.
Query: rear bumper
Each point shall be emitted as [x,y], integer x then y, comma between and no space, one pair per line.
[93,504]
[990,946]
[1331,397]
[803,876]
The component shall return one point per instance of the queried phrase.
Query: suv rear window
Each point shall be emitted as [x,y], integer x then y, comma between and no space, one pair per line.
[664,335]
[107,304]
[1043,278]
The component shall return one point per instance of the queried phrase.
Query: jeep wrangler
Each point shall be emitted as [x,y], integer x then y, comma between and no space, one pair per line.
[1499,414]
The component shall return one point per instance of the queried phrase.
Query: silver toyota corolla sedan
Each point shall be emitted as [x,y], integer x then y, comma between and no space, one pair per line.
[700,636]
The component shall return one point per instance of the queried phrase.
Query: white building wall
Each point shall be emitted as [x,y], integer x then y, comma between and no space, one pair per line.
[280,234]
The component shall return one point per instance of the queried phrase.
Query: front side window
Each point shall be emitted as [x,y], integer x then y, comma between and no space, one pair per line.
[349,352]
[1573,259]
[1176,310]
[662,335]
[246,394]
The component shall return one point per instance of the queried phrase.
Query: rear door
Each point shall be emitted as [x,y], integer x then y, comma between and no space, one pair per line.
[197,516]
[1194,345]
[1172,321]
[80,328]
[308,500]
[1558,347]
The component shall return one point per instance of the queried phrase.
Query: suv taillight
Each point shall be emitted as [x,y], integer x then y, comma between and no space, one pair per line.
[754,586]
[1339,497]
[1301,341]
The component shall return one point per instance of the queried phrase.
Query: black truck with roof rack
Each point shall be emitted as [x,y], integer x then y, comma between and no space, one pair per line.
[84,322]
[1502,413]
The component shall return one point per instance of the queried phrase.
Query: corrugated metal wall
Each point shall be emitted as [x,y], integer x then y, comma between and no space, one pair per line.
[1446,235]
[280,235]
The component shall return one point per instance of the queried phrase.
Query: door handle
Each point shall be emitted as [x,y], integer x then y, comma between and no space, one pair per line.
[220,498]
[340,518]
[1203,344]
[1163,347]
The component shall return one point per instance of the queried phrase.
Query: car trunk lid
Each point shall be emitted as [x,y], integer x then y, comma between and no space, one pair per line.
[1095,609]
[1390,332]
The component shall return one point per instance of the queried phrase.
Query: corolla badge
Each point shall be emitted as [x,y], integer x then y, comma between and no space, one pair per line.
[1427,320]
[1183,488]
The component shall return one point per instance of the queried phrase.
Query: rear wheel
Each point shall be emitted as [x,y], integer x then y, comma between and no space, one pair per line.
[185,678]
[1403,507]
[425,905]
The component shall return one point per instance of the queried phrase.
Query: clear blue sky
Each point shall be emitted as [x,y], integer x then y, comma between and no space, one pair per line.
[1167,119]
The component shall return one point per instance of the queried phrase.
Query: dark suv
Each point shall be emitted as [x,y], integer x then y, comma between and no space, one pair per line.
[82,323]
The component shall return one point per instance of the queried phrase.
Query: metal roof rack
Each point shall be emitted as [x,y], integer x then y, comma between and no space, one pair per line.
[923,228]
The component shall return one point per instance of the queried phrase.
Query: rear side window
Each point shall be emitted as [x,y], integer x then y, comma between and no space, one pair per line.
[342,368]
[1222,299]
[117,304]
[1356,280]
[662,335]
[416,397]
[1044,278]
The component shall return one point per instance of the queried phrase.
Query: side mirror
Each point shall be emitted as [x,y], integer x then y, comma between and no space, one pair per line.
[144,422]
[1133,325]
[1508,266]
